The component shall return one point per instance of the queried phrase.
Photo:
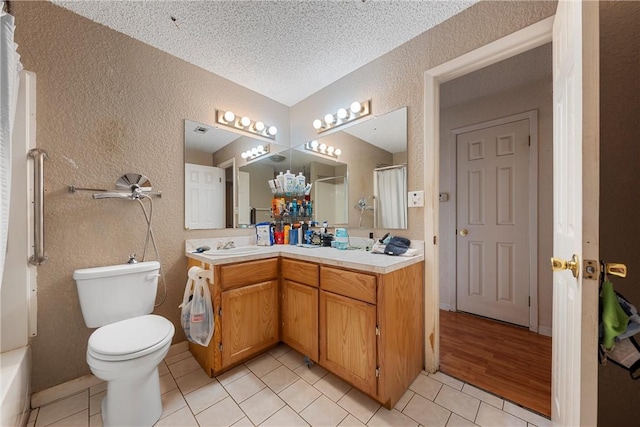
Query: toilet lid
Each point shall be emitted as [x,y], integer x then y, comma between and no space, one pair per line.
[131,337]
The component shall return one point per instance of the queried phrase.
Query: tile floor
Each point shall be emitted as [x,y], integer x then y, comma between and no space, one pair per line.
[278,389]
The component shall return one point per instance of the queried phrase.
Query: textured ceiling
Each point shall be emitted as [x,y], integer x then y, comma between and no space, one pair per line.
[285,50]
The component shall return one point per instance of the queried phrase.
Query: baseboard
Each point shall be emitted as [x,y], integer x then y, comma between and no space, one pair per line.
[446,307]
[68,388]
[545,330]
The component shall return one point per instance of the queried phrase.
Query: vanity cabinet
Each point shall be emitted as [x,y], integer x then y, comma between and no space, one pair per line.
[366,328]
[300,306]
[246,307]
[371,329]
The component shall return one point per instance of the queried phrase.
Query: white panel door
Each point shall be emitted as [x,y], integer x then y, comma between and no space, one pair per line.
[204,196]
[576,122]
[493,222]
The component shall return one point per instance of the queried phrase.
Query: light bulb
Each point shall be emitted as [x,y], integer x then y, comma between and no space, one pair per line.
[259,126]
[243,155]
[323,147]
[229,116]
[272,130]
[330,149]
[260,149]
[342,113]
[328,119]
[337,152]
[314,144]
[317,124]
[245,121]
[254,151]
[356,107]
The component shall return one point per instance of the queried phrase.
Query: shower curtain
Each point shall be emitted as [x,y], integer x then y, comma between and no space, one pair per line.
[391,194]
[10,66]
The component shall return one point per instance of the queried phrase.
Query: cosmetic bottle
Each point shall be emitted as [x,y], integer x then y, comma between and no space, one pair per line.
[370,242]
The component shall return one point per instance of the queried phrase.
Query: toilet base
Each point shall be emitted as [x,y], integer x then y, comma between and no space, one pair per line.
[133,401]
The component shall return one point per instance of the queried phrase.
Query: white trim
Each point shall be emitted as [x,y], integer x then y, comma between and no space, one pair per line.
[545,330]
[446,307]
[532,116]
[526,39]
[231,163]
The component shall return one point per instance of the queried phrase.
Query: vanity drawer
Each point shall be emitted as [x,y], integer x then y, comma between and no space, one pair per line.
[248,273]
[349,283]
[300,271]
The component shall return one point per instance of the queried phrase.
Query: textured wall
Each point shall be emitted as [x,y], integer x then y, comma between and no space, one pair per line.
[108,105]
[618,397]
[397,79]
[534,96]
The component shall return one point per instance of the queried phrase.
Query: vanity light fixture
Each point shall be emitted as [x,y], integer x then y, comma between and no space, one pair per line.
[255,152]
[323,149]
[344,115]
[244,123]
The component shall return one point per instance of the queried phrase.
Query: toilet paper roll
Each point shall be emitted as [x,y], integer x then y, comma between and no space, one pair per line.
[195,272]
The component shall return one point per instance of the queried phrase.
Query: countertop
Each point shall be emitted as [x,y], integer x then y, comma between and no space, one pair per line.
[356,259]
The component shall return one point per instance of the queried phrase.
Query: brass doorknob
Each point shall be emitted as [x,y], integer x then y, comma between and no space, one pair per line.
[464,232]
[558,264]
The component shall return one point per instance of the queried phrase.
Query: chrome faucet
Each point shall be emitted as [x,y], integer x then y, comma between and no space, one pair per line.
[228,244]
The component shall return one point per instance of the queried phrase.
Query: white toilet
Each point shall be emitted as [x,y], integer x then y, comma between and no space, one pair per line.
[129,343]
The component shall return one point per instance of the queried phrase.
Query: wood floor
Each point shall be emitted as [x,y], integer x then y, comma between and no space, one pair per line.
[503,359]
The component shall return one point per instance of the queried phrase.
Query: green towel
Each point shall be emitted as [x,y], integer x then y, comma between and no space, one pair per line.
[614,319]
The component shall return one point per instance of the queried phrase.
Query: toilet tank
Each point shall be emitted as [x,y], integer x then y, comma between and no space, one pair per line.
[116,292]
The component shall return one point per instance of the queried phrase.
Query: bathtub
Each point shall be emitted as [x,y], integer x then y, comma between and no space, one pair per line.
[15,368]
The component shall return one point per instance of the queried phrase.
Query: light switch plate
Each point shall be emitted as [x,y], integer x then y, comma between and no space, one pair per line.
[416,199]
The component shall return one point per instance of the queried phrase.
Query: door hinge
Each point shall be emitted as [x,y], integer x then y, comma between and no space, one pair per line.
[378,372]
[377,330]
[529,140]
[435,239]
[529,301]
[220,347]
[220,311]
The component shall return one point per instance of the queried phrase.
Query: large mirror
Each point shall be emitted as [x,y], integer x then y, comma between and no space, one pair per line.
[364,187]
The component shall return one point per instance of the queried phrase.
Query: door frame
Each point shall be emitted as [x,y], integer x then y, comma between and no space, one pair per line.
[532,116]
[520,41]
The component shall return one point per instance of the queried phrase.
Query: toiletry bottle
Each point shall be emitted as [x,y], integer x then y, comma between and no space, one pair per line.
[294,207]
[370,242]
[287,227]
[301,183]
[289,182]
[280,183]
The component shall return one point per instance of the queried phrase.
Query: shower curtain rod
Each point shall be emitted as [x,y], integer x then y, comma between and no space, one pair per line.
[390,167]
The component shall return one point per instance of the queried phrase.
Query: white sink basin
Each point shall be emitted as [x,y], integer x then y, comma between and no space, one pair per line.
[242,250]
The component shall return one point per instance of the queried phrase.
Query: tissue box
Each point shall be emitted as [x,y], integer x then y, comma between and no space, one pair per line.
[263,234]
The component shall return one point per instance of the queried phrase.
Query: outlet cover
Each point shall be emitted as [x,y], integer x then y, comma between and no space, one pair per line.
[416,199]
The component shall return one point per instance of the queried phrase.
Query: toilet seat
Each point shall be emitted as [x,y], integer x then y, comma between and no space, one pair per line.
[130,338]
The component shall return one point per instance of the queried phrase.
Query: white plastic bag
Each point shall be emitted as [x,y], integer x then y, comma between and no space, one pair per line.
[197,311]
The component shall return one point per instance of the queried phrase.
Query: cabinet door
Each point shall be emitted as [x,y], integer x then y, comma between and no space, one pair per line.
[249,321]
[348,339]
[300,318]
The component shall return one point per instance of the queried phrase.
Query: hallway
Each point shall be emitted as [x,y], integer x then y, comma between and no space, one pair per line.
[503,359]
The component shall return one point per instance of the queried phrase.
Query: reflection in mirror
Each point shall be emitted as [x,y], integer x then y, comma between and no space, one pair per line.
[329,185]
[216,194]
[376,152]
[376,143]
